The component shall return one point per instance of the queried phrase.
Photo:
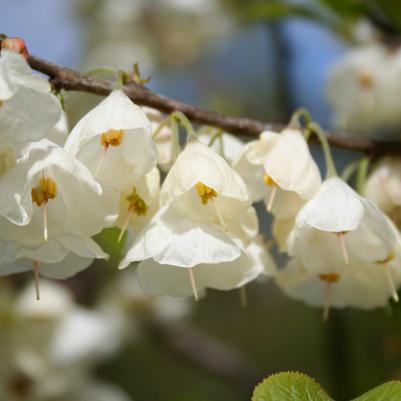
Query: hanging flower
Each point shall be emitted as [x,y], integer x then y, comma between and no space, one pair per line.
[203,187]
[364,91]
[49,194]
[337,227]
[114,140]
[384,187]
[163,139]
[59,133]
[207,253]
[279,169]
[365,285]
[28,110]
[139,202]
[227,145]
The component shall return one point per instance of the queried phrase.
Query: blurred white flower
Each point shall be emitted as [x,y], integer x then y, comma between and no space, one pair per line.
[28,110]
[363,286]
[49,348]
[383,187]
[364,90]
[114,140]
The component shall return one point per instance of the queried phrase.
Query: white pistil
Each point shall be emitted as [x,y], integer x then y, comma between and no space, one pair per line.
[101,160]
[219,216]
[243,297]
[45,233]
[341,237]
[125,225]
[390,282]
[36,278]
[327,300]
[272,197]
[193,283]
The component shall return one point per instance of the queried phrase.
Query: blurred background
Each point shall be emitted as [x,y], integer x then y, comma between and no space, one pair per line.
[254,58]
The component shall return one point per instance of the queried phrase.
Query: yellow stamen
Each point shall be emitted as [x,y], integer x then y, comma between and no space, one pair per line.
[47,189]
[205,193]
[112,137]
[389,277]
[271,183]
[366,79]
[193,284]
[341,237]
[329,279]
[136,205]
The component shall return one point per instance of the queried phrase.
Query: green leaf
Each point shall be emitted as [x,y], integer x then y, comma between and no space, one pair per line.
[390,391]
[289,386]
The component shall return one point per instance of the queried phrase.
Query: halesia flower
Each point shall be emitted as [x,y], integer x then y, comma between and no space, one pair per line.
[364,286]
[48,194]
[139,202]
[163,139]
[384,187]
[59,258]
[59,133]
[364,90]
[173,246]
[337,228]
[279,169]
[227,145]
[203,187]
[114,140]
[28,110]
[124,296]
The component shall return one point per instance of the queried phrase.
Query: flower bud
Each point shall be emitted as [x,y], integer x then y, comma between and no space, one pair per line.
[16,45]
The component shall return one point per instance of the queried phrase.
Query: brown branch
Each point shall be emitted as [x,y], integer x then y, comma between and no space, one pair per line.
[70,80]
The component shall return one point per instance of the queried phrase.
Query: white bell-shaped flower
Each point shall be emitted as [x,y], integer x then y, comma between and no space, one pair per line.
[114,140]
[202,186]
[160,279]
[28,110]
[139,202]
[226,145]
[163,139]
[49,194]
[364,90]
[383,187]
[364,286]
[280,169]
[59,133]
[337,227]
[174,239]
[58,258]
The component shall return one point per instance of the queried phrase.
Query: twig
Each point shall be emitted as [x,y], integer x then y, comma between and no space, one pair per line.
[70,80]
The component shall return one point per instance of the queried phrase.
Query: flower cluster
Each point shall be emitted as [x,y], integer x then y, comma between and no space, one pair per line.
[197,228]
